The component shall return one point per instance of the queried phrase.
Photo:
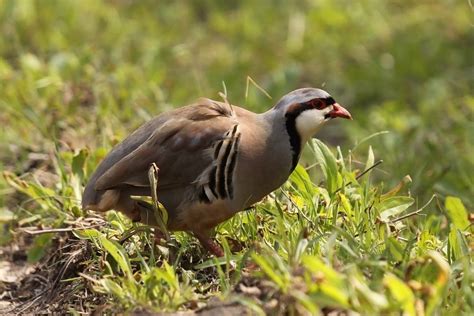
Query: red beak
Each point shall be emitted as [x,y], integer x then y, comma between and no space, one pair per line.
[339,111]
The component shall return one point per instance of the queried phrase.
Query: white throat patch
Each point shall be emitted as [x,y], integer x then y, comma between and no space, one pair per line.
[308,123]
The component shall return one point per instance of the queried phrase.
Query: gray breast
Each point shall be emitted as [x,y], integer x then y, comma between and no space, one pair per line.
[263,163]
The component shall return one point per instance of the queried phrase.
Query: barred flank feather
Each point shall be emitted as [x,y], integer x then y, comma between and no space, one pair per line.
[219,184]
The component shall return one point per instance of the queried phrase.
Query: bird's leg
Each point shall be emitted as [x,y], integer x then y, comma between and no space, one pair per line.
[159,236]
[131,210]
[209,244]
[135,215]
[143,212]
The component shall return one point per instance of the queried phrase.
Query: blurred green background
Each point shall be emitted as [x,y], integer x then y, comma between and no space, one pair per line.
[77,74]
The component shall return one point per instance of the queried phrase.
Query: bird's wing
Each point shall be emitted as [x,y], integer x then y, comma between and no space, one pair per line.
[181,146]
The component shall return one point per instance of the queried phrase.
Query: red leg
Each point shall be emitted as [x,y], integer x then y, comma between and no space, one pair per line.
[159,235]
[209,244]
[135,215]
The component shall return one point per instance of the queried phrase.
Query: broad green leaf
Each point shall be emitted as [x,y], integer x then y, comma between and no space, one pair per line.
[376,300]
[113,288]
[214,262]
[6,215]
[346,205]
[395,249]
[166,273]
[302,181]
[78,162]
[406,179]
[328,164]
[30,63]
[456,212]
[335,293]
[118,253]
[29,219]
[439,286]
[87,233]
[14,181]
[314,264]
[393,206]
[299,201]
[40,247]
[458,245]
[332,285]
[370,160]
[401,292]
[34,190]
[306,301]
[325,194]
[300,249]
[269,271]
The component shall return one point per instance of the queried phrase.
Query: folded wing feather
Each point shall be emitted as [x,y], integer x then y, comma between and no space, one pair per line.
[179,147]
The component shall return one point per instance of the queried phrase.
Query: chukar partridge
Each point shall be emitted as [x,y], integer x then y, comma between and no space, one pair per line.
[214,160]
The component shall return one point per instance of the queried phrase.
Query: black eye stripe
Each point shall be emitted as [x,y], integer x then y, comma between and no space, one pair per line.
[329,101]
[318,103]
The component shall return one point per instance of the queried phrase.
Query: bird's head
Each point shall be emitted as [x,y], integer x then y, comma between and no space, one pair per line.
[306,110]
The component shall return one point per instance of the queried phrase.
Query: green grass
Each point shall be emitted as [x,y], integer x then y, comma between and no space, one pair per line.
[350,244]
[77,76]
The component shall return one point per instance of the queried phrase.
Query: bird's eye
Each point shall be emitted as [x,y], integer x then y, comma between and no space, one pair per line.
[317,104]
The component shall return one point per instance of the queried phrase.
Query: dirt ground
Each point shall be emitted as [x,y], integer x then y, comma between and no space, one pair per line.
[27,288]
